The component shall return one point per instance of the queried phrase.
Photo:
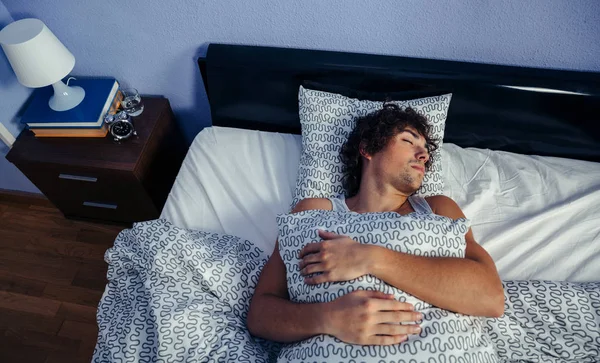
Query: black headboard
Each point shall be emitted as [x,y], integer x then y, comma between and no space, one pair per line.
[523,110]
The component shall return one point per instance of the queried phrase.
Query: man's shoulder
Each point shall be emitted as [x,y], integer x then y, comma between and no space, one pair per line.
[312,203]
[439,199]
[444,206]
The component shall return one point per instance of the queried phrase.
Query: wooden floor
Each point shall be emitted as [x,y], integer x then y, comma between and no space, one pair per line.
[52,275]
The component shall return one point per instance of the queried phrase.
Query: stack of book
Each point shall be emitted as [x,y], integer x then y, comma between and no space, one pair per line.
[102,96]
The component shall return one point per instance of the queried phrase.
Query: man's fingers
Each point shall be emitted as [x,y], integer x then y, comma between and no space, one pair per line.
[307,260]
[317,279]
[397,317]
[393,305]
[312,268]
[396,329]
[310,248]
[387,339]
[329,235]
[375,294]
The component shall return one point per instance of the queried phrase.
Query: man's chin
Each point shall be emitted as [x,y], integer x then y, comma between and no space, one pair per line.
[410,189]
[416,186]
[409,184]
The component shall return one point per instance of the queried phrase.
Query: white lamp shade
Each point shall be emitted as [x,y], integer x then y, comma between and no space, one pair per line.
[36,55]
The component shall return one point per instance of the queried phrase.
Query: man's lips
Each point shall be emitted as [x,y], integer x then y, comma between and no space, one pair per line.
[419,168]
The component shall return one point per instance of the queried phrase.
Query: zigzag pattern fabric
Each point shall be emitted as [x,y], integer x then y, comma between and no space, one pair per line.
[548,321]
[445,336]
[327,120]
[177,295]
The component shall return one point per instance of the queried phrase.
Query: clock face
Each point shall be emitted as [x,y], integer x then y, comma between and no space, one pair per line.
[121,129]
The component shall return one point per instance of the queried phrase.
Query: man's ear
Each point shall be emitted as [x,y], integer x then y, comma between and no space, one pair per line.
[361,150]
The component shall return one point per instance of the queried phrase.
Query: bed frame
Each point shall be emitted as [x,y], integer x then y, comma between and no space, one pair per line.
[523,110]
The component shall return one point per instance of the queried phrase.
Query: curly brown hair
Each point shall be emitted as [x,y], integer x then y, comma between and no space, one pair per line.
[374,131]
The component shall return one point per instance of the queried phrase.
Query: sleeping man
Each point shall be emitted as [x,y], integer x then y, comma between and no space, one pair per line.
[383,275]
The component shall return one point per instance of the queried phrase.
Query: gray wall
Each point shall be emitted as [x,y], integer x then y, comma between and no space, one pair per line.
[12,96]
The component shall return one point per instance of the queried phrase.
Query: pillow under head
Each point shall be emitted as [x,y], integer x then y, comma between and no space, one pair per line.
[327,119]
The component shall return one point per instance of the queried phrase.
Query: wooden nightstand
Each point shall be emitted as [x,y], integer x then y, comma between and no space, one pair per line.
[100,179]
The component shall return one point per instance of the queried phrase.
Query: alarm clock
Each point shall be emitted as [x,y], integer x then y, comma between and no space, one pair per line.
[120,126]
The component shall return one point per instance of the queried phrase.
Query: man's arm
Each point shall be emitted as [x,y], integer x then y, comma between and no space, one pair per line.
[273,316]
[469,285]
[462,285]
[361,317]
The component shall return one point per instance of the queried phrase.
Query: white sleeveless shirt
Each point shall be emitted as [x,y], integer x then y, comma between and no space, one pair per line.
[419,204]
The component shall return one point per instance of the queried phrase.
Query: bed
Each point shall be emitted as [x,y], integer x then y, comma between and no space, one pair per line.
[521,156]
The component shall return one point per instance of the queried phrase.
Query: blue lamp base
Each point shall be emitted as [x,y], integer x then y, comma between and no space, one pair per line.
[65,97]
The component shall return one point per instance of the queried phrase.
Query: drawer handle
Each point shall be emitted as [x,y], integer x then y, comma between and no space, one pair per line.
[78,177]
[100,205]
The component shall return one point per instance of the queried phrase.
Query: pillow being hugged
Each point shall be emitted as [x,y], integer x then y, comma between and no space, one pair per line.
[445,336]
[421,234]
[327,120]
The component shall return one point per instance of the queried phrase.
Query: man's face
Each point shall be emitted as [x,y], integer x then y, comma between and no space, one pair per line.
[402,161]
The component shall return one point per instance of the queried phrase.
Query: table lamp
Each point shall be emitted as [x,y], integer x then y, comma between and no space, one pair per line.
[39,59]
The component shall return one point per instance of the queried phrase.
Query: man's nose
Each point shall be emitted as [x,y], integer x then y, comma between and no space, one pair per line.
[422,155]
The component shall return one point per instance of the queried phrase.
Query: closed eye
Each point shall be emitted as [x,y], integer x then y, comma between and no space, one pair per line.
[410,142]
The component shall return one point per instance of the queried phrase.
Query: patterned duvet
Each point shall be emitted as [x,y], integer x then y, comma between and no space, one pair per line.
[177,295]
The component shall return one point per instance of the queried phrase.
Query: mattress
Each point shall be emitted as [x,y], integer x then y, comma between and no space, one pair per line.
[538,217]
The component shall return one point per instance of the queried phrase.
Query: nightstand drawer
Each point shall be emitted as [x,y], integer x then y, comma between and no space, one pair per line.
[119,210]
[93,193]
[96,178]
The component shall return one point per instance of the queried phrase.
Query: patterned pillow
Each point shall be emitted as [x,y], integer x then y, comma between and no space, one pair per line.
[327,120]
[463,337]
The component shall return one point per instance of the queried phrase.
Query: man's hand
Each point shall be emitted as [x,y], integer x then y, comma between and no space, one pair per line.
[337,257]
[370,318]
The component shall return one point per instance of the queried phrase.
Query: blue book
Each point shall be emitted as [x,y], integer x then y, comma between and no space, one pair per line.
[99,95]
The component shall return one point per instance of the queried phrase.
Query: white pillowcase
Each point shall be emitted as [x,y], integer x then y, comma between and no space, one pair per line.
[327,120]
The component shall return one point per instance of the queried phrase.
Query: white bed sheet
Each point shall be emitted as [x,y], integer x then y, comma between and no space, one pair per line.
[539,217]
[235,181]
